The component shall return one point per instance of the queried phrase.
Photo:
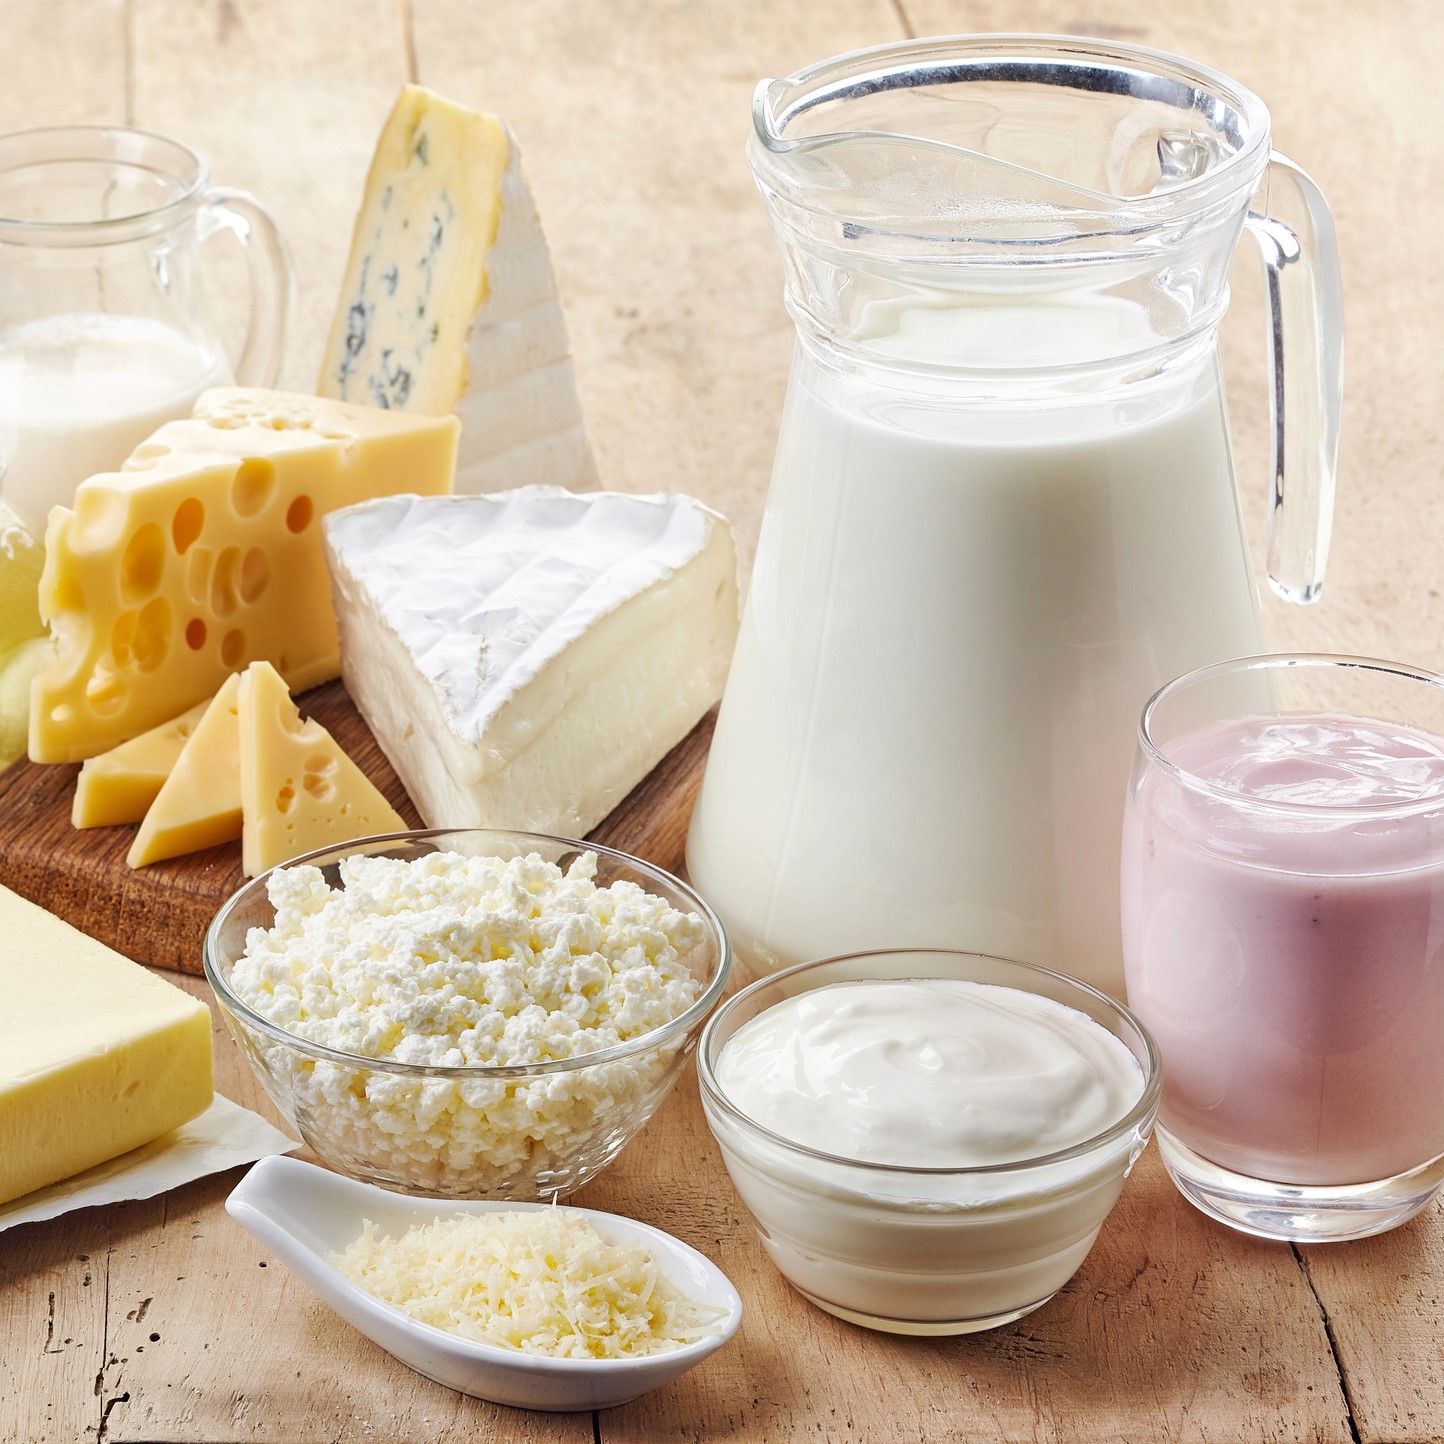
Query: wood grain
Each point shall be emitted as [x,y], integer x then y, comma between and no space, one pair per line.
[1175,1329]
[633,116]
[159,914]
[156,914]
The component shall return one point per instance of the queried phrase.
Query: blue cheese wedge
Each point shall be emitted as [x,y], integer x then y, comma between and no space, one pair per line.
[526,659]
[450,304]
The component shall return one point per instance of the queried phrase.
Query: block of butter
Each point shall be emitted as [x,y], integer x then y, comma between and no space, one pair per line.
[97,1056]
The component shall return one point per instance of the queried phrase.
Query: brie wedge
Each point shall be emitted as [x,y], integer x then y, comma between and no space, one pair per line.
[526,659]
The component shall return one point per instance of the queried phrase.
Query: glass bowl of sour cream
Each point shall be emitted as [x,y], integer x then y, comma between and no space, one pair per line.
[928,1140]
[467,1014]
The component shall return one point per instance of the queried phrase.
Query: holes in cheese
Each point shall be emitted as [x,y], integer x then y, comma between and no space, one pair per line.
[105,694]
[298,514]
[255,573]
[201,554]
[233,649]
[299,790]
[142,564]
[186,524]
[255,482]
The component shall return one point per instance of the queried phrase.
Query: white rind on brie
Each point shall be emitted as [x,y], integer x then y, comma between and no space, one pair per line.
[525,659]
[521,416]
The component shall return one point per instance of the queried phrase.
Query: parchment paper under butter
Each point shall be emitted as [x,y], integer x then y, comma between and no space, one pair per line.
[224,1136]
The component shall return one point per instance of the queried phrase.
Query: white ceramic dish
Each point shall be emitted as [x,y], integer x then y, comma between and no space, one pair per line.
[303,1213]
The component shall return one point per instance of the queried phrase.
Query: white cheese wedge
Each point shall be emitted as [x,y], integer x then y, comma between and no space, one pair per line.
[526,659]
[449,302]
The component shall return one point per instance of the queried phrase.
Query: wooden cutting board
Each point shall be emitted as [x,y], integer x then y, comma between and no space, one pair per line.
[159,914]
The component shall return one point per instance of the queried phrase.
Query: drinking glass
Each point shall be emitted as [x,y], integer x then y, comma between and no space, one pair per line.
[1287,949]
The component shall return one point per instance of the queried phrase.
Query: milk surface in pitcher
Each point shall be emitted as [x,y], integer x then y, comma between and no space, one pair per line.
[955,617]
[78,393]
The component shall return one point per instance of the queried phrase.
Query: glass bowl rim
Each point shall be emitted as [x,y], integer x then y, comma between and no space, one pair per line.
[471,1072]
[1271,661]
[1145,1106]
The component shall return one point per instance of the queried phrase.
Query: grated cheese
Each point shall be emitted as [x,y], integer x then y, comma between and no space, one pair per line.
[542,1282]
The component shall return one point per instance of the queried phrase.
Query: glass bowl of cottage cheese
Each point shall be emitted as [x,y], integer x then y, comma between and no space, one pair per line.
[467,1014]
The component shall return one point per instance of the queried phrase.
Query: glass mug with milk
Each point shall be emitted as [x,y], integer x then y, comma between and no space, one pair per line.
[103,331]
[1003,510]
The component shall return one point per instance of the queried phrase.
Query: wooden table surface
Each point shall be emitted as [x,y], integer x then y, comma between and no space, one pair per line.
[161,1321]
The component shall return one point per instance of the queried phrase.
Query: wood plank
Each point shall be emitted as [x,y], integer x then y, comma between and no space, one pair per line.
[159,914]
[632,117]
[66,63]
[1383,1300]
[53,1291]
[1175,1329]
[669,229]
[285,101]
[180,1327]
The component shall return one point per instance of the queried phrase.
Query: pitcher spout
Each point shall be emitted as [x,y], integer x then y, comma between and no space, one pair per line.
[1008,167]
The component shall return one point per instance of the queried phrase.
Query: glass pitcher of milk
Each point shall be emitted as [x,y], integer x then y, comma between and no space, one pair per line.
[1003,509]
[104,332]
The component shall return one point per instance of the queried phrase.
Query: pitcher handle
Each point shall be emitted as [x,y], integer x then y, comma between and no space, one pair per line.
[273,283]
[1290,220]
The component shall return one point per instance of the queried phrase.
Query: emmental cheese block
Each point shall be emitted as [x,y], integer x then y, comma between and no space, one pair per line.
[299,790]
[119,786]
[97,1056]
[204,552]
[200,803]
[449,302]
[524,660]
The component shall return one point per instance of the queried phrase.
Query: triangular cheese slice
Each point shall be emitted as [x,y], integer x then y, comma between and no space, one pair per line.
[120,785]
[200,802]
[299,790]
[449,302]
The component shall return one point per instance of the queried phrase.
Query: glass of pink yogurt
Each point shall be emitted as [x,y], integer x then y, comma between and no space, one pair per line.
[1283,937]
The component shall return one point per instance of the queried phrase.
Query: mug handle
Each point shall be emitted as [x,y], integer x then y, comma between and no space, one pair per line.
[273,283]
[1290,221]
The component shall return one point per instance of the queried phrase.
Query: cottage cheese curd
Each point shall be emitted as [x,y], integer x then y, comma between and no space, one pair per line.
[450,961]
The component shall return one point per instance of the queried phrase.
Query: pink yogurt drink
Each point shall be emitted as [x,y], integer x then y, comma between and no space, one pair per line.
[1283,926]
